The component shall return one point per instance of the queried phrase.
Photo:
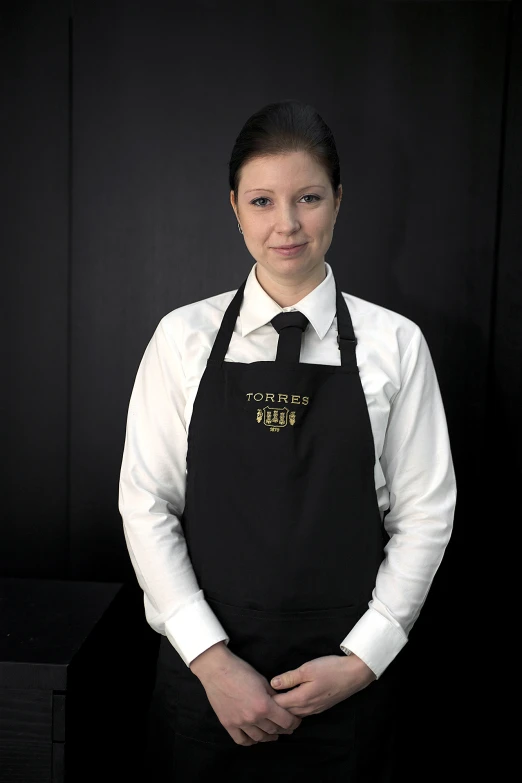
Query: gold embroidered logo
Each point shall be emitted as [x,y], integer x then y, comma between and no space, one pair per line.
[275,418]
[296,399]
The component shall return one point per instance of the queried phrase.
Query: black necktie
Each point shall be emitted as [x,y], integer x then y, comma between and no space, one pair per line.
[290,327]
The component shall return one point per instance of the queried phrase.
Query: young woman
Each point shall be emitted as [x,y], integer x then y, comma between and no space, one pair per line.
[287,490]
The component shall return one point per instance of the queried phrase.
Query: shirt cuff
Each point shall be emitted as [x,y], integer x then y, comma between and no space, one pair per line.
[193,629]
[375,640]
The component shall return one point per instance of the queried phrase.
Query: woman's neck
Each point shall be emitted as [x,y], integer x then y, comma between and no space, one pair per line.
[287,291]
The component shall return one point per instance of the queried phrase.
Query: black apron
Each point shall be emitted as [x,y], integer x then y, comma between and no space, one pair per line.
[285,537]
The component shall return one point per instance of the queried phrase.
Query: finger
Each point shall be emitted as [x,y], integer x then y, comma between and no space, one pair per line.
[283,718]
[286,701]
[240,738]
[287,679]
[272,728]
[258,735]
[243,736]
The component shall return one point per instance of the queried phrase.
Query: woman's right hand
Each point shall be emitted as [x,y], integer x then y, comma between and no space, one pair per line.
[242,698]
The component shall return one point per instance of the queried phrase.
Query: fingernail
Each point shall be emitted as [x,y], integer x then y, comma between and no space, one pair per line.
[276,681]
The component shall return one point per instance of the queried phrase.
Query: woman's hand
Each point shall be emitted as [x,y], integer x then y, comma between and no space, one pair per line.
[322,682]
[242,700]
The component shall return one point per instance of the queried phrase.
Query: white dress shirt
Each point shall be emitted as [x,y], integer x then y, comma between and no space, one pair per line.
[414,474]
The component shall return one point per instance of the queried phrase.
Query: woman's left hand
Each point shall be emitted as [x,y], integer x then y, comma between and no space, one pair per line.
[322,682]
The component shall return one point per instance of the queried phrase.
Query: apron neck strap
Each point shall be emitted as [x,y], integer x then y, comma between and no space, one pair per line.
[345,339]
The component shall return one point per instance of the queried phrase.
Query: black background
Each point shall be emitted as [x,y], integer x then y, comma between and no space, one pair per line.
[118,123]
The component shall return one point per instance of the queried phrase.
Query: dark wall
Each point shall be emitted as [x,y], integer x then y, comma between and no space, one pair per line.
[119,119]
[35,171]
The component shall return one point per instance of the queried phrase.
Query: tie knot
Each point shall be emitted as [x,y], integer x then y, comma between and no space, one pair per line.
[295,318]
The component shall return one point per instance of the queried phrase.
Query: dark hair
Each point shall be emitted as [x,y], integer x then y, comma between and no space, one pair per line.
[278,128]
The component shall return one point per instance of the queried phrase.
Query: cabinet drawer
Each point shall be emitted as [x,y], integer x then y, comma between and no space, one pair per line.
[26,722]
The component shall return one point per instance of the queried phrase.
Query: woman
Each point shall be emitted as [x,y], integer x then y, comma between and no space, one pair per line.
[287,490]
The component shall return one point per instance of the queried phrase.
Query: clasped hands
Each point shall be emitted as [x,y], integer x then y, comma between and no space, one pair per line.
[253,711]
[320,683]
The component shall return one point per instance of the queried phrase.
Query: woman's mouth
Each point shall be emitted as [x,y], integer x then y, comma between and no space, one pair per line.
[292,250]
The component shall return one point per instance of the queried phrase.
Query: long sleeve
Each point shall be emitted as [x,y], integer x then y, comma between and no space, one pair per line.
[418,466]
[152,498]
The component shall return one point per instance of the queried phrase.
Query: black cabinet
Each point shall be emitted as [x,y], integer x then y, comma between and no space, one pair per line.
[77,663]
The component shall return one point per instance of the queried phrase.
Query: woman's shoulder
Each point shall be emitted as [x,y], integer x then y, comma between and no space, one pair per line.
[376,323]
[199,315]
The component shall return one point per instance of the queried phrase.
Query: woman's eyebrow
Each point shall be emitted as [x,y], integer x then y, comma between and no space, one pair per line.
[271,191]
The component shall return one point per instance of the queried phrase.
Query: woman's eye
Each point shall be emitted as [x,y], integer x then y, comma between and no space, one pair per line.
[263,198]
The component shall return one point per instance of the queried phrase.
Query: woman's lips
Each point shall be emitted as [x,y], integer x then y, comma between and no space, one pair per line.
[289,251]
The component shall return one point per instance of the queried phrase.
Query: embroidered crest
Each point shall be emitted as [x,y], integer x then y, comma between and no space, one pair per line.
[275,418]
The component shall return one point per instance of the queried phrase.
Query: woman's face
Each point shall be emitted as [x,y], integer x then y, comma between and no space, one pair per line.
[285,200]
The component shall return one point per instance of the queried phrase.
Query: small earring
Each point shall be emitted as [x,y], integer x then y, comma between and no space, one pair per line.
[239,227]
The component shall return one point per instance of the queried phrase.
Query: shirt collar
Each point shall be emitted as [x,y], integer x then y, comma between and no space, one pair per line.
[258,308]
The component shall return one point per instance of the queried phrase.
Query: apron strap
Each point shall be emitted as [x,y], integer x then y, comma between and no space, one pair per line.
[224,335]
[346,339]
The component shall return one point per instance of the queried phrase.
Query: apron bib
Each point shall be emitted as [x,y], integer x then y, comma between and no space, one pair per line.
[285,537]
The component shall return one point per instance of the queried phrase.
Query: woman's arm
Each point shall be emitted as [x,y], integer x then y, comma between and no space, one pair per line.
[418,466]
[152,499]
